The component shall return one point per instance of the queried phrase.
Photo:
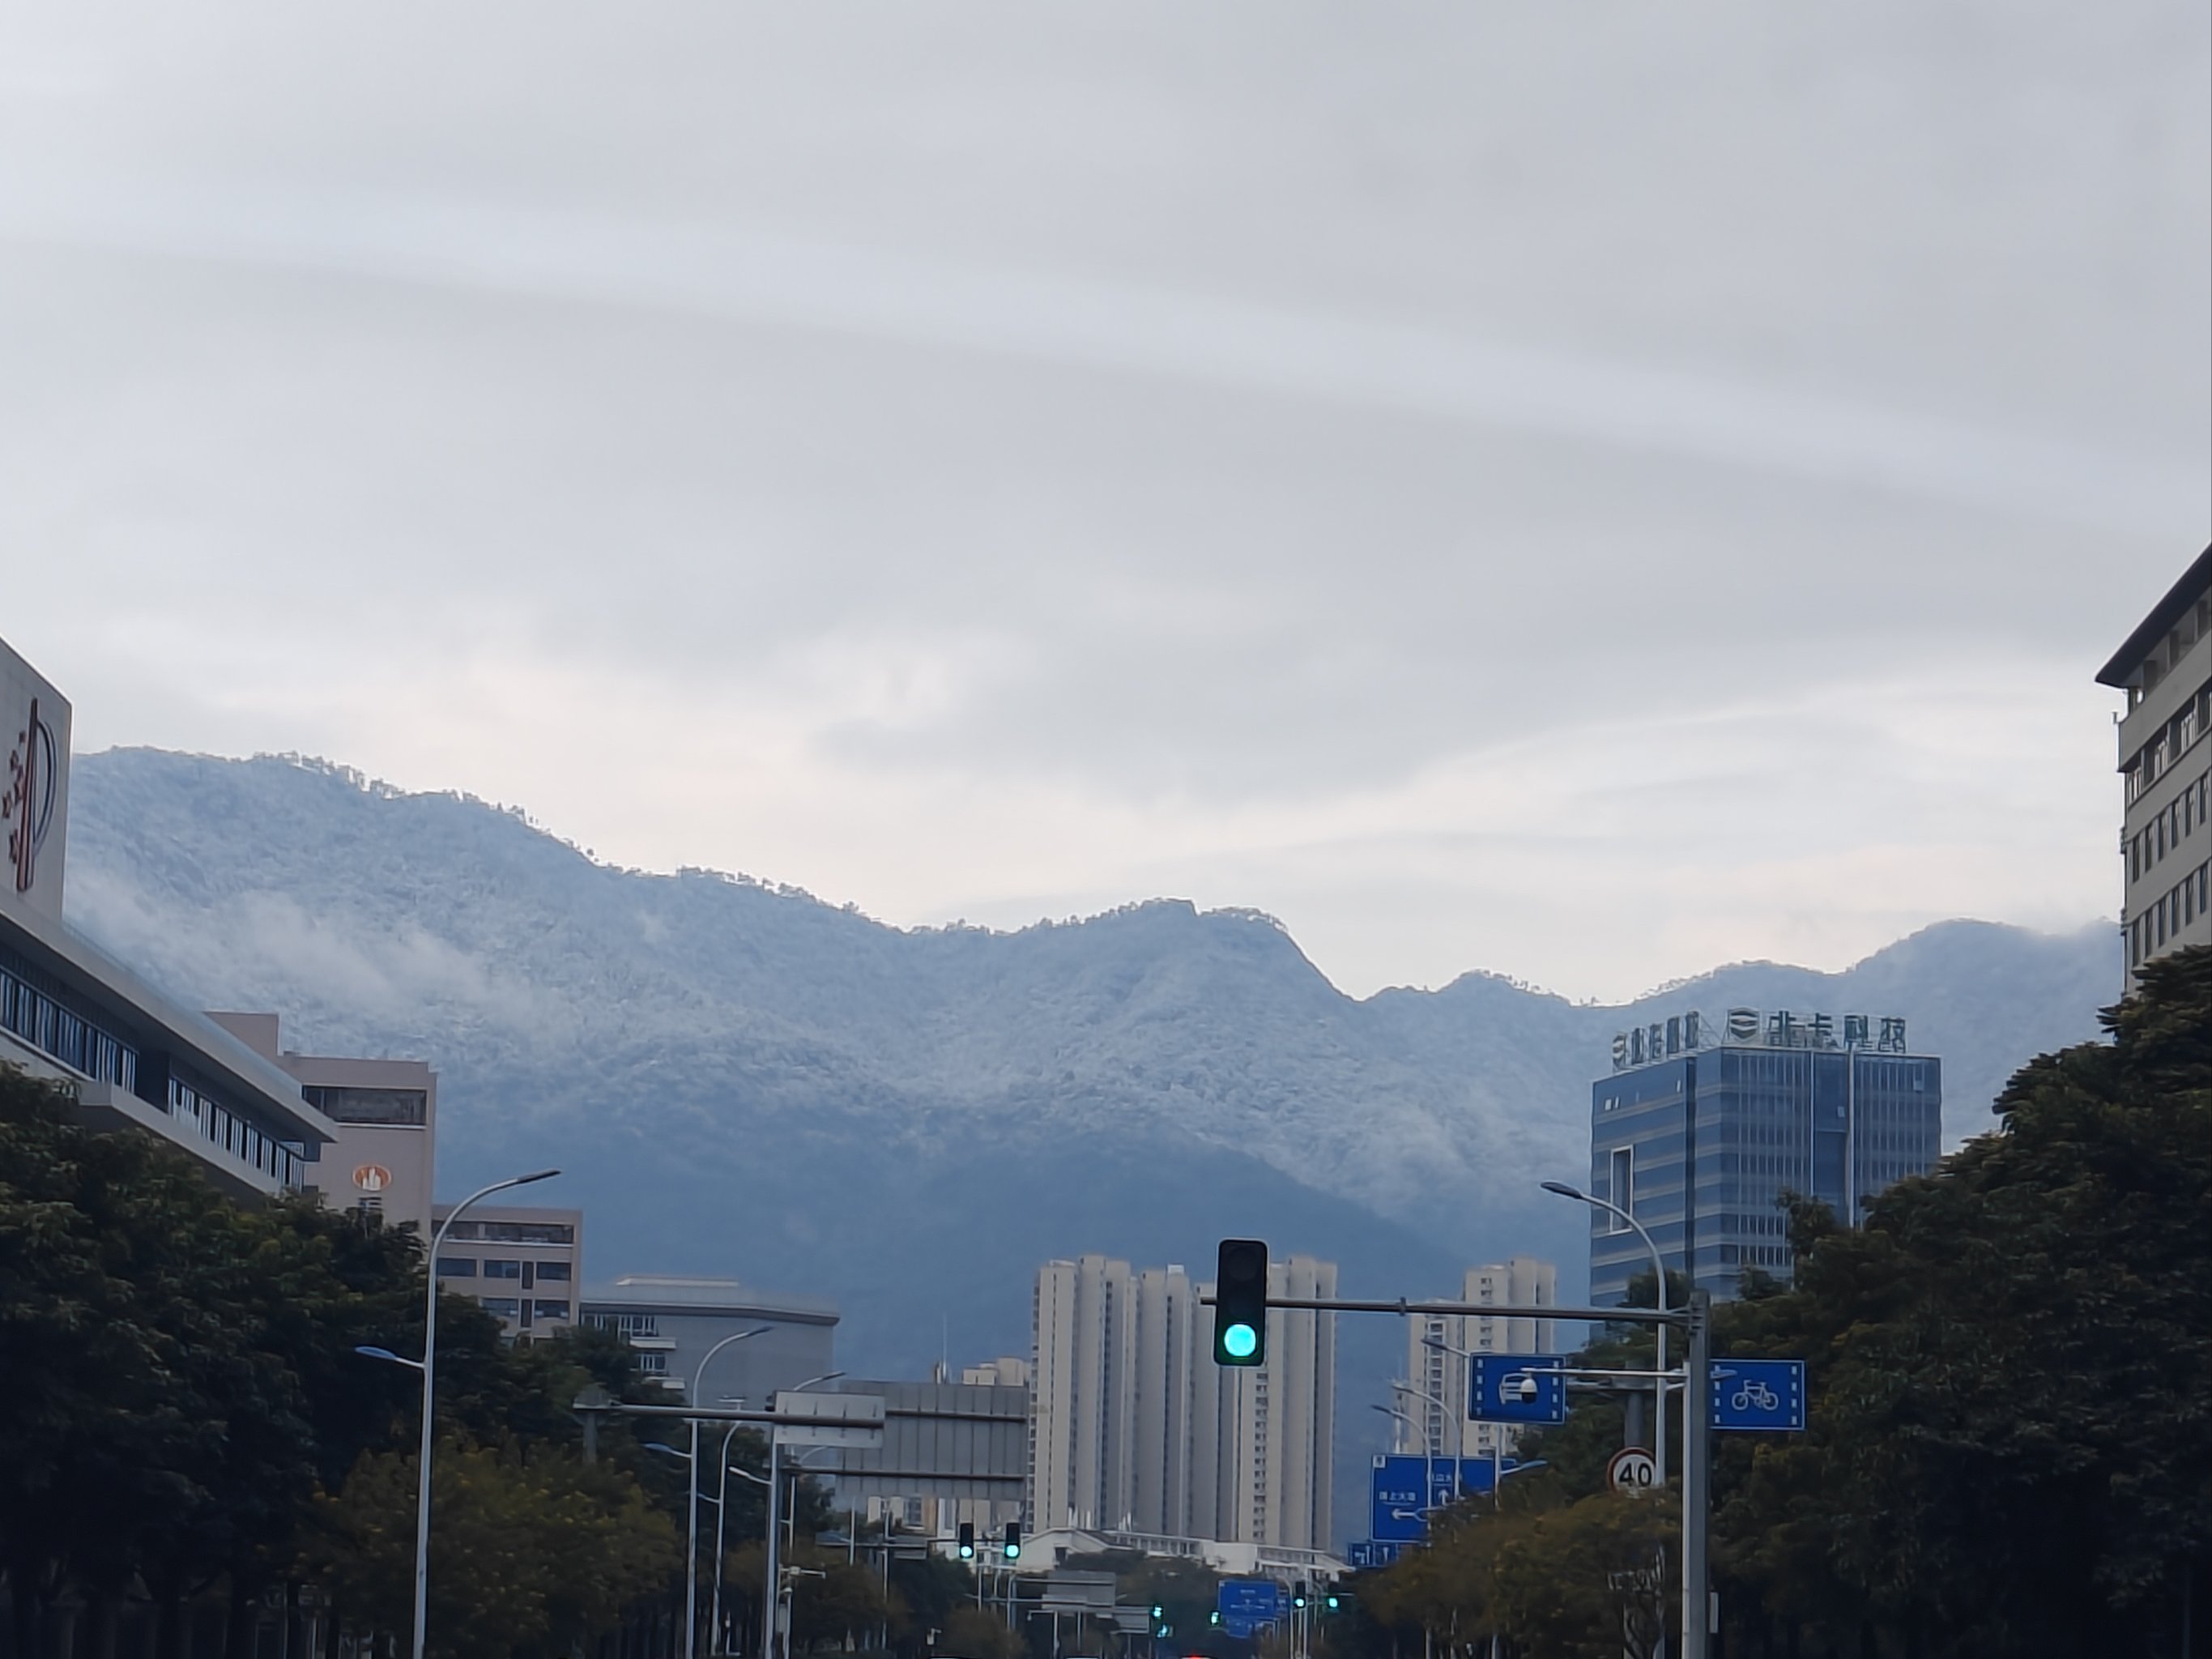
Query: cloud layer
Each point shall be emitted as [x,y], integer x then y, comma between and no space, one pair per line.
[1495,494]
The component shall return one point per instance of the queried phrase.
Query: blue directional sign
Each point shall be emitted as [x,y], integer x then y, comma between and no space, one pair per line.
[1249,1602]
[1759,1395]
[1517,1387]
[1396,1510]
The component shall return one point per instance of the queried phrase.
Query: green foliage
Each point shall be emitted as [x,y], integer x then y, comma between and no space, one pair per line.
[1597,1579]
[973,1632]
[535,1550]
[187,1409]
[2012,1368]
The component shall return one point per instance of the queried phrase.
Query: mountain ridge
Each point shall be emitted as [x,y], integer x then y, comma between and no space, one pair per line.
[746,1080]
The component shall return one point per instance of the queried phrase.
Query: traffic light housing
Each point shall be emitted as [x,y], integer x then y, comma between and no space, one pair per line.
[967,1540]
[1298,1594]
[1332,1601]
[1240,1302]
[1012,1547]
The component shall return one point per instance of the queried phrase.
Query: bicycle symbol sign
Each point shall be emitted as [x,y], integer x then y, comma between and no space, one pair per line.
[1759,1395]
[1756,1397]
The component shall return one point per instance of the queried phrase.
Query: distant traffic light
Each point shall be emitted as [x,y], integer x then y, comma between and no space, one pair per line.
[1332,1601]
[1011,1549]
[1240,1302]
[967,1540]
[1158,1612]
[1298,1594]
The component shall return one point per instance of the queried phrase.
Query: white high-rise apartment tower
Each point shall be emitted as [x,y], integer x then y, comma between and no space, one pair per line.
[1135,1429]
[1436,1399]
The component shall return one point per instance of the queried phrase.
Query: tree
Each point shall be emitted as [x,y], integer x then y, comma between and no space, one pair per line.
[2012,1367]
[1596,1580]
[536,1552]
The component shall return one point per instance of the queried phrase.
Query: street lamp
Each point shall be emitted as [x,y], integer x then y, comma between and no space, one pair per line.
[774,1504]
[428,1366]
[1659,1270]
[691,1534]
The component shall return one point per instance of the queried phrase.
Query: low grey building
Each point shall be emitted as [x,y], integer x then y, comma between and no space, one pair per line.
[673,1321]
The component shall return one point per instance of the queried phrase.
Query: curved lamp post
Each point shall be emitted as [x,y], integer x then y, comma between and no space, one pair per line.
[428,1366]
[691,1533]
[1659,1269]
[775,1503]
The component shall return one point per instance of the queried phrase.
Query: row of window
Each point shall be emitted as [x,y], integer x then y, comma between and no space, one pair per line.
[405,1106]
[54,1028]
[630,1324]
[515,1233]
[465,1266]
[2174,910]
[232,1132]
[2168,743]
[2164,833]
[509,1307]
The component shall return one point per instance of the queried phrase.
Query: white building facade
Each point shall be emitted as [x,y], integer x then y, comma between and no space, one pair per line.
[2165,669]
[1134,1429]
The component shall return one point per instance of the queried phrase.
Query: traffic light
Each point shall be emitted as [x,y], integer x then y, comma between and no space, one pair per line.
[967,1540]
[1011,1549]
[1240,1302]
[1332,1601]
[1298,1594]
[1213,1618]
[1158,1612]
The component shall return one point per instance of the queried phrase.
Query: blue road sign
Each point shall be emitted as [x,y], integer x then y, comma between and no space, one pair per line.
[1370,1552]
[1396,1513]
[1250,1603]
[1758,1394]
[1517,1387]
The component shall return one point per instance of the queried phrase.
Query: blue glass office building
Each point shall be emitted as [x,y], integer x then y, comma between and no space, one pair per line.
[1698,1138]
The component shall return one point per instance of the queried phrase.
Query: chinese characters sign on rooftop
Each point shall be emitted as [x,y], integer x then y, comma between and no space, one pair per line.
[1640,1045]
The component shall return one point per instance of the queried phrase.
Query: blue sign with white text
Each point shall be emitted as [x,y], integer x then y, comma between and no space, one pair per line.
[1517,1387]
[1759,1395]
[1397,1512]
[1249,1602]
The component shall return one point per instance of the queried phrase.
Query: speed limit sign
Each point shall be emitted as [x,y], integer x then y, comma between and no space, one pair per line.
[1633,1469]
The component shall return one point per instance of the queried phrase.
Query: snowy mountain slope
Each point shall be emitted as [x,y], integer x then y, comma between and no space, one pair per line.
[748,1078]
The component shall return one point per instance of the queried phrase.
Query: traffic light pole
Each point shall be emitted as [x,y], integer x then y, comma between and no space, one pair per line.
[1697,1413]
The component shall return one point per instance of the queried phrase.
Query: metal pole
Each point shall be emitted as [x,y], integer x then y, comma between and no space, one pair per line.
[774,1508]
[721,1520]
[1659,1269]
[691,1534]
[1696,1469]
[429,1367]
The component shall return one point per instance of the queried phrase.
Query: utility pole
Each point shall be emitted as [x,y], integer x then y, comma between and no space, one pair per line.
[1696,1477]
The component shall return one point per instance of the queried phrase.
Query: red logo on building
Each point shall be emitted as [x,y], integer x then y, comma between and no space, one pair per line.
[372,1177]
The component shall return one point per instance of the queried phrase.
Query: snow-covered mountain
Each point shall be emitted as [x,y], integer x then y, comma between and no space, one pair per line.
[739,1078]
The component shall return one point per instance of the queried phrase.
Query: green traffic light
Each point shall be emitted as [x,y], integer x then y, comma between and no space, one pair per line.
[1239,1341]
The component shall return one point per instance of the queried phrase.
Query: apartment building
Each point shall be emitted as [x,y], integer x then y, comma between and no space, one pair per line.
[1134,1429]
[2164,670]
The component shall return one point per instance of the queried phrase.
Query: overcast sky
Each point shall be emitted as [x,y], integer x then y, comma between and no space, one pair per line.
[1585,493]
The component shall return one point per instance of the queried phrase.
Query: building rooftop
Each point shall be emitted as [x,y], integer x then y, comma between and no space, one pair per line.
[684,1293]
[2153,628]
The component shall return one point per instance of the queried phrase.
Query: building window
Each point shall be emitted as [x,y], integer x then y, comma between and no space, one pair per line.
[549,1271]
[1622,1190]
[495,1268]
[656,1365]
[401,1106]
[630,1324]
[459,1266]
[551,1309]
[506,1307]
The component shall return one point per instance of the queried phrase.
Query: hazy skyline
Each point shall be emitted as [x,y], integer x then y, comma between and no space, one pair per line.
[1589,504]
